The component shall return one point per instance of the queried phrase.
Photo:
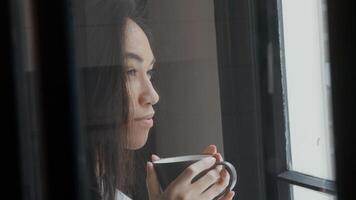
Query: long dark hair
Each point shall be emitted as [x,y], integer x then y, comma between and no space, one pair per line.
[111,164]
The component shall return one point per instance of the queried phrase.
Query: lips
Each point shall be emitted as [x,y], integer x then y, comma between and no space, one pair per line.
[146,120]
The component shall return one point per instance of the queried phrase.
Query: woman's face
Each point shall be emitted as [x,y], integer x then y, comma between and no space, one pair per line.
[139,64]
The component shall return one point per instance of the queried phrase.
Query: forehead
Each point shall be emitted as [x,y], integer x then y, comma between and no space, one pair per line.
[136,41]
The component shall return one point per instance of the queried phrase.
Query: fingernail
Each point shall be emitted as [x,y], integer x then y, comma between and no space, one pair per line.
[232,193]
[223,173]
[155,157]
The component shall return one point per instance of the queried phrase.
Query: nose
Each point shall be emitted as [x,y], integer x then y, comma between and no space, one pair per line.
[148,95]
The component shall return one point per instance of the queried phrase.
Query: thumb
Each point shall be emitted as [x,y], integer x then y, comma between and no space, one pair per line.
[153,187]
[154,157]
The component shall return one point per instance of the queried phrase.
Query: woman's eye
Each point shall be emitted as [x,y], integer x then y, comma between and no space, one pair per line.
[151,72]
[131,72]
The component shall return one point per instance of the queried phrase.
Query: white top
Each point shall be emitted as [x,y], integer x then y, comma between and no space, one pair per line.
[121,196]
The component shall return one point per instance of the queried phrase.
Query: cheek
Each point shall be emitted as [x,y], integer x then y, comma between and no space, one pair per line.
[137,134]
[133,91]
[132,99]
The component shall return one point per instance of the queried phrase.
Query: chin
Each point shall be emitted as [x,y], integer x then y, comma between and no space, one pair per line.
[138,140]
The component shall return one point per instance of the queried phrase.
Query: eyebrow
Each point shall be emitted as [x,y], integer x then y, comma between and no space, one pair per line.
[137,57]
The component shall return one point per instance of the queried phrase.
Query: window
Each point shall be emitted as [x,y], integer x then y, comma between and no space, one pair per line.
[303,193]
[307,85]
[256,78]
[307,88]
[280,121]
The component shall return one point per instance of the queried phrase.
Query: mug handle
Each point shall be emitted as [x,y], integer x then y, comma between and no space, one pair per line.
[233,177]
[232,171]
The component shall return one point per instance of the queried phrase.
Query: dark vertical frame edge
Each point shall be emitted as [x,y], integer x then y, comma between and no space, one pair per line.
[341,28]
[272,100]
[228,23]
[59,100]
[9,115]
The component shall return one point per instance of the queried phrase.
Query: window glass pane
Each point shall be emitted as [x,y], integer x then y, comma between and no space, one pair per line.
[188,82]
[308,87]
[167,53]
[28,99]
[300,193]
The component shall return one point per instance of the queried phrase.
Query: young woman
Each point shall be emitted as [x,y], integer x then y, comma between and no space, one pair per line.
[121,96]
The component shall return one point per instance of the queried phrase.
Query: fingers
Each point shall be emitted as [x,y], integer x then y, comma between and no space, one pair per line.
[193,170]
[203,183]
[218,157]
[211,149]
[154,157]
[228,196]
[152,182]
[218,187]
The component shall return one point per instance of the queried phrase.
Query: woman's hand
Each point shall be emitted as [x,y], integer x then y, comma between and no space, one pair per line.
[207,187]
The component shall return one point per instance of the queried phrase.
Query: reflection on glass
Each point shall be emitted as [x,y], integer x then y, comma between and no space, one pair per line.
[28,101]
[308,88]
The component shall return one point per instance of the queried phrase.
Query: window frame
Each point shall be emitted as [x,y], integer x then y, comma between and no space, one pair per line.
[9,113]
[342,33]
[276,40]
[272,174]
[48,164]
[263,22]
